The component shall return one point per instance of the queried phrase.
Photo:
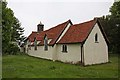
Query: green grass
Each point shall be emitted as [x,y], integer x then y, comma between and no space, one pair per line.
[0,66]
[23,66]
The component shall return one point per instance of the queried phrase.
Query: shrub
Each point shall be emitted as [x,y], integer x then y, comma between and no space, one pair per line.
[12,49]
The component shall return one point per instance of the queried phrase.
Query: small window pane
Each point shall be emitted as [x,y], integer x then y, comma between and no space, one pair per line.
[96,37]
[35,44]
[64,48]
[46,44]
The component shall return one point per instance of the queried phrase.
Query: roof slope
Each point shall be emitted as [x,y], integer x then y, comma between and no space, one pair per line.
[32,36]
[75,34]
[78,32]
[52,33]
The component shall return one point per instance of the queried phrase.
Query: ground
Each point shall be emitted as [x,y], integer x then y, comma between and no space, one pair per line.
[24,66]
[0,66]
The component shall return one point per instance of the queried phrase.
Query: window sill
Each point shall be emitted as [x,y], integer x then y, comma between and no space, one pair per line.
[64,51]
[45,50]
[96,42]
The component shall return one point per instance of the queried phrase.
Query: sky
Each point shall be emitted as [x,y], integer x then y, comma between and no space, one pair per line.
[54,12]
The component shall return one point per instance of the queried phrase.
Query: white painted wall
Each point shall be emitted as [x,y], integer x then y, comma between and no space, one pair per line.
[55,53]
[73,55]
[52,51]
[40,52]
[95,53]
[26,46]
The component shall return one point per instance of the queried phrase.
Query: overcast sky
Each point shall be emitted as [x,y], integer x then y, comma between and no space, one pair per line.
[53,12]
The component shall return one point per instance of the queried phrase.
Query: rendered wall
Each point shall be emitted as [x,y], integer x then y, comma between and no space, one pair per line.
[40,52]
[95,53]
[73,54]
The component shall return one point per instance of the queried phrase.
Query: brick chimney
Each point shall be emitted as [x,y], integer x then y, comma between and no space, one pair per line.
[40,27]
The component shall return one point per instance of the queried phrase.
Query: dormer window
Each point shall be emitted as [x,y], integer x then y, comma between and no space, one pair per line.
[96,38]
[35,44]
[38,42]
[46,43]
[49,40]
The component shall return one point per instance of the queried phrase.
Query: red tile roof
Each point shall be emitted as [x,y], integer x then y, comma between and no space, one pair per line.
[78,32]
[52,33]
[32,36]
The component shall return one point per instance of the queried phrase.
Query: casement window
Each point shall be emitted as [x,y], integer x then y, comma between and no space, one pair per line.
[64,48]
[46,43]
[96,38]
[35,44]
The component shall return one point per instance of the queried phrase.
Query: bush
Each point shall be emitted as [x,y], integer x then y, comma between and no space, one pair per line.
[13,49]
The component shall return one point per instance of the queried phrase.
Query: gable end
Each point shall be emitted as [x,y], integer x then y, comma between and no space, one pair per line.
[101,29]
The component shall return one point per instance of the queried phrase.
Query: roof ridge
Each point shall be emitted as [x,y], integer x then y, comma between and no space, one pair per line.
[85,27]
[83,22]
[58,25]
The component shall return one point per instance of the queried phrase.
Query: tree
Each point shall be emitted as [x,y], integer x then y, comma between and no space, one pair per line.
[111,24]
[11,30]
[115,17]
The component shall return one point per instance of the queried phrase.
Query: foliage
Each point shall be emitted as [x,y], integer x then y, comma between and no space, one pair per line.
[11,30]
[111,24]
[23,66]
[13,49]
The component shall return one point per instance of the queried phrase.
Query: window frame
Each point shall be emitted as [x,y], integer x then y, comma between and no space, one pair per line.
[96,38]
[35,44]
[64,48]
[46,43]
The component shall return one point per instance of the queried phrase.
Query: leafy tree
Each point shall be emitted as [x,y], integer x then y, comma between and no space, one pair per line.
[11,30]
[111,24]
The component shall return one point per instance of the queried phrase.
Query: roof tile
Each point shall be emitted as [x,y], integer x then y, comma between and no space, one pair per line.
[78,32]
[52,33]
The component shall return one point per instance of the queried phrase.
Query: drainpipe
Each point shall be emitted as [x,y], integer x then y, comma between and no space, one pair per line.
[82,54]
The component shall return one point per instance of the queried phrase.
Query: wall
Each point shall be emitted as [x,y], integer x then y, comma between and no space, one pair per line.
[52,51]
[95,53]
[55,53]
[73,55]
[26,46]
[40,52]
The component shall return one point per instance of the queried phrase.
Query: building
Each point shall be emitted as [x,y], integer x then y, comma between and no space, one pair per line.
[84,43]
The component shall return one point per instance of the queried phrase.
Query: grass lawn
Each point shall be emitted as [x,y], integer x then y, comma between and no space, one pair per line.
[0,66]
[23,66]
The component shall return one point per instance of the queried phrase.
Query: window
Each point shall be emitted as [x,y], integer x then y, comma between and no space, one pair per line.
[35,44]
[46,43]
[96,38]
[64,48]
[29,45]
